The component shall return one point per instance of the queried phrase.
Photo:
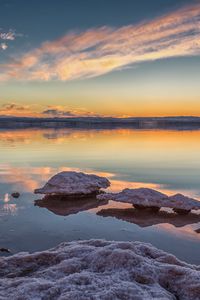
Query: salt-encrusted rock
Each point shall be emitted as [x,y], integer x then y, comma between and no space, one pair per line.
[74,183]
[98,269]
[140,198]
[148,198]
[183,204]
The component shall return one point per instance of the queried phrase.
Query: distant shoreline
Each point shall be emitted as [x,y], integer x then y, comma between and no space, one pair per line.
[181,122]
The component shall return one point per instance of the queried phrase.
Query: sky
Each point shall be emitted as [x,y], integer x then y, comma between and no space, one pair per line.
[127,58]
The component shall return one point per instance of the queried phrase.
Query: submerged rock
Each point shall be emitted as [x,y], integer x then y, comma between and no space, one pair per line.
[4,250]
[74,183]
[15,194]
[142,198]
[98,269]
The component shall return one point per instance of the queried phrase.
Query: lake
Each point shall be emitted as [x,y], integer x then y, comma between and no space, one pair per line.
[168,161]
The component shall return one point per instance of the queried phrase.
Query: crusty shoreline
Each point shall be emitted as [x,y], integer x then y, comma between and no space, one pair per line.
[98,269]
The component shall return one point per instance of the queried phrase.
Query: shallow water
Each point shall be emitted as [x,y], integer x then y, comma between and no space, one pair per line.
[165,160]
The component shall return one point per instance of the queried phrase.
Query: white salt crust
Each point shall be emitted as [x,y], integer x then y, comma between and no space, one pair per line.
[98,269]
[151,198]
[70,183]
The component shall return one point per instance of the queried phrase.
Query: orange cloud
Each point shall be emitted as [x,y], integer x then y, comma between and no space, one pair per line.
[99,51]
[20,110]
[62,111]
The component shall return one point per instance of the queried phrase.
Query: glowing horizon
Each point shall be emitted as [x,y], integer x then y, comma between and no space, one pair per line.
[149,67]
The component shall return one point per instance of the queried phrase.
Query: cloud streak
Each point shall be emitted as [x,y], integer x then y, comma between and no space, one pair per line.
[3,46]
[51,111]
[14,106]
[101,50]
[6,36]
[9,36]
[11,109]
[62,112]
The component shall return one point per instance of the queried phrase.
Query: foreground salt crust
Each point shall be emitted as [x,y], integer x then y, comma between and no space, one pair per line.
[73,183]
[98,269]
[149,198]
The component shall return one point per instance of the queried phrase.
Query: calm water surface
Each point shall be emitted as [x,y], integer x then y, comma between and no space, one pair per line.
[165,160]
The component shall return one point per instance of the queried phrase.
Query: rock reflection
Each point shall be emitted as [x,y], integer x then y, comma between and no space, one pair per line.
[149,218]
[65,205]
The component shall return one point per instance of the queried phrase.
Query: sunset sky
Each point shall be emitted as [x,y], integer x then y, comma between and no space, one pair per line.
[89,58]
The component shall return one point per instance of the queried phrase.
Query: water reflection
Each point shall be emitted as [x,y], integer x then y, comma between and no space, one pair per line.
[167,161]
[64,206]
[6,198]
[26,179]
[148,218]
[8,209]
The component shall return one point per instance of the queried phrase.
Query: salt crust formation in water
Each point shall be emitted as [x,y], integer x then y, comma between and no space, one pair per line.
[98,269]
[145,197]
[74,183]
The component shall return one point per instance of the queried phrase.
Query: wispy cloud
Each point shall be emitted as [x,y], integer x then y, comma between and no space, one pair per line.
[14,109]
[52,111]
[3,46]
[14,106]
[5,37]
[61,111]
[57,113]
[9,36]
[101,50]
